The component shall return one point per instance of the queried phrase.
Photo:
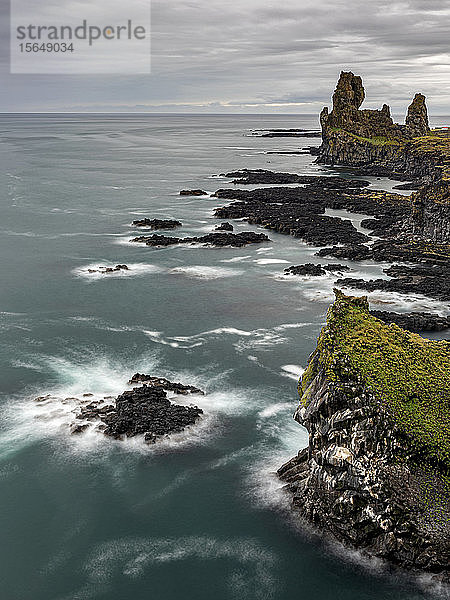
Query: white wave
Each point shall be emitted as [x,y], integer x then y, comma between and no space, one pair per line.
[275,409]
[264,339]
[93,272]
[292,371]
[236,259]
[271,261]
[248,566]
[257,338]
[283,439]
[206,272]
[87,378]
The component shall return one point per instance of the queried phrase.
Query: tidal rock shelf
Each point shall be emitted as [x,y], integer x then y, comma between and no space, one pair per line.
[430,280]
[300,211]
[312,270]
[218,240]
[375,400]
[415,322]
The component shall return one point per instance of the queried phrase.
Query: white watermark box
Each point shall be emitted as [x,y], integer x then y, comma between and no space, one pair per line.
[71,37]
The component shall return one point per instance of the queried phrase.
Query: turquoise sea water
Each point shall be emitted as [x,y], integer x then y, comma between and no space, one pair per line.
[201,515]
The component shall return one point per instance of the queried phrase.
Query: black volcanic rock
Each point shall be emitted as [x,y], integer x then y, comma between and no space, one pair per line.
[148,411]
[392,250]
[315,270]
[336,267]
[225,227]
[307,134]
[415,321]
[307,269]
[157,223]
[432,287]
[235,240]
[144,411]
[109,269]
[160,382]
[300,211]
[193,193]
[263,176]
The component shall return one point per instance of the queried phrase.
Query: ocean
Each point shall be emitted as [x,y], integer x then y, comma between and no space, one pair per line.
[200,515]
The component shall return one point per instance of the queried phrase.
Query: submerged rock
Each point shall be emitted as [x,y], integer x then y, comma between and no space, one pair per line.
[375,400]
[157,223]
[109,269]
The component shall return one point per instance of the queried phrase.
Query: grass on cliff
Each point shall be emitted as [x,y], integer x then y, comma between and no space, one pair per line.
[408,374]
[436,145]
[375,141]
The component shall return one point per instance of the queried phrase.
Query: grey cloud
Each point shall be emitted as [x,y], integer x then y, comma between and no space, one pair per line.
[210,55]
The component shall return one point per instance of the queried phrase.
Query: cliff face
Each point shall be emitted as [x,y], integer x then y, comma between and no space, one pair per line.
[369,139]
[376,402]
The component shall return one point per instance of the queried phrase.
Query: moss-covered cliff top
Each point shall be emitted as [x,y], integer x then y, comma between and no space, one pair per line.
[437,147]
[409,375]
[434,147]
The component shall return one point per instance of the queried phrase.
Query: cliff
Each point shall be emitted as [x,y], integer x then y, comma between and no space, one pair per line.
[375,400]
[370,140]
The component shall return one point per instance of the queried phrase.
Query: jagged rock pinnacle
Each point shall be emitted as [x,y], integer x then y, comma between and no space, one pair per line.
[349,91]
[417,118]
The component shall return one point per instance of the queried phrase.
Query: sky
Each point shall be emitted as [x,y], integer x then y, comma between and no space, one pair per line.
[255,56]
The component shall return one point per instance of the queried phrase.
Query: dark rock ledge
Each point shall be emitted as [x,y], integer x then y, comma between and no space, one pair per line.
[219,240]
[193,193]
[315,270]
[376,403]
[415,321]
[157,223]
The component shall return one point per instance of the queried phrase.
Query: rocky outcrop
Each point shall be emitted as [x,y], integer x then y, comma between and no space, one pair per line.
[218,240]
[144,410]
[157,223]
[193,193]
[370,140]
[310,269]
[417,118]
[225,227]
[431,280]
[376,403]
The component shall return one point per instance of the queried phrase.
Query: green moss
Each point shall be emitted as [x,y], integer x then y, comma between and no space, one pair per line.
[410,376]
[375,141]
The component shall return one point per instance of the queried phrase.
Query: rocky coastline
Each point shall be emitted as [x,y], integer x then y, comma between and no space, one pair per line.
[375,397]
[375,401]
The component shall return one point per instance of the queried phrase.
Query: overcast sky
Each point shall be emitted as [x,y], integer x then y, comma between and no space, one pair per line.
[259,56]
